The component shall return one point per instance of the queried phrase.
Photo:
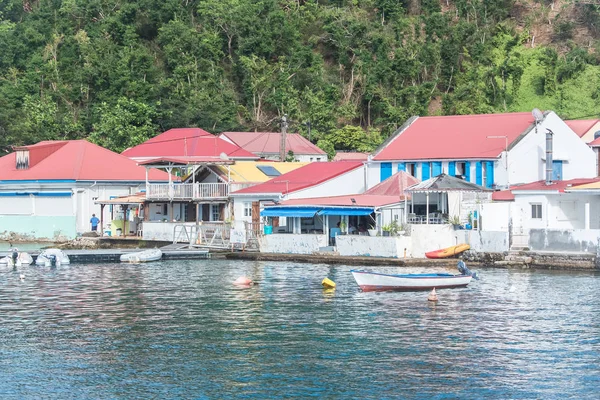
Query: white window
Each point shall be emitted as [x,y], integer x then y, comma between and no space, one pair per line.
[215,212]
[460,169]
[247,209]
[536,211]
[318,158]
[311,159]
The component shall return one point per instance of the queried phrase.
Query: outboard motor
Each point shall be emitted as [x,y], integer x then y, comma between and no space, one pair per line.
[15,256]
[464,270]
[52,259]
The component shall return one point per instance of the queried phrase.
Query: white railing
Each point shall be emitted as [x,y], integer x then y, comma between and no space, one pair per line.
[187,191]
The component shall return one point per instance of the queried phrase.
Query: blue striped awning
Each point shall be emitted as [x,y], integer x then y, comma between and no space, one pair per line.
[289,212]
[346,211]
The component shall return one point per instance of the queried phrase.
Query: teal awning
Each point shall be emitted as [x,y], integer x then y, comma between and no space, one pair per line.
[345,211]
[289,212]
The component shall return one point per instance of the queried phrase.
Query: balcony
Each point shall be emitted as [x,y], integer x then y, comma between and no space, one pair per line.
[187,191]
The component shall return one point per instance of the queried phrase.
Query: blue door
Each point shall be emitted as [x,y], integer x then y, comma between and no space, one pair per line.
[385,171]
[557,174]
[425,171]
[478,173]
[436,168]
[401,166]
[452,168]
[489,174]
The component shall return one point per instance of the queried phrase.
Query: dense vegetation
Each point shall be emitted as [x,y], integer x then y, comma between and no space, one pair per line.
[120,71]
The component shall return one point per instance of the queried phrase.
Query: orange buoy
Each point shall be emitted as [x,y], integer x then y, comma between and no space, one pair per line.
[243,281]
[432,296]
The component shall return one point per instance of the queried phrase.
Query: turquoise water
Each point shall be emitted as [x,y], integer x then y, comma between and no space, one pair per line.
[179,329]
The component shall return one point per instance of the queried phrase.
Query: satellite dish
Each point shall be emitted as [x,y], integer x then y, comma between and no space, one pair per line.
[537,115]
[223,156]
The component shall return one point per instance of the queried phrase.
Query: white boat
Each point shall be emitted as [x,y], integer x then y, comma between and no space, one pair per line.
[142,256]
[51,257]
[372,281]
[16,258]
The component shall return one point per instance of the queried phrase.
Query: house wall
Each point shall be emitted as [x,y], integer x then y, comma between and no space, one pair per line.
[374,246]
[484,241]
[526,160]
[561,240]
[292,243]
[427,238]
[589,135]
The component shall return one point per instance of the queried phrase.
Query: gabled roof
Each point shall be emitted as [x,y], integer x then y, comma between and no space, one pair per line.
[310,175]
[395,185]
[581,126]
[193,142]
[455,137]
[249,171]
[360,200]
[262,143]
[77,160]
[350,156]
[446,183]
[540,186]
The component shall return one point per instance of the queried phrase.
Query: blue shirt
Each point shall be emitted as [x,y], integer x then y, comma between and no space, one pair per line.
[94,221]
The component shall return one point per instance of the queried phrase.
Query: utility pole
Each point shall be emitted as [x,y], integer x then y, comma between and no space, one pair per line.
[284,126]
[308,126]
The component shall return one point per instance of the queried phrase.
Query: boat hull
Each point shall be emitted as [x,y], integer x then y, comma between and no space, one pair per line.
[22,259]
[371,281]
[142,256]
[448,252]
[46,258]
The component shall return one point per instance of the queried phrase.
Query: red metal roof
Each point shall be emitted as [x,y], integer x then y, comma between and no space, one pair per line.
[394,185]
[187,142]
[594,143]
[361,200]
[186,160]
[455,137]
[269,142]
[77,160]
[581,126]
[555,186]
[348,156]
[301,178]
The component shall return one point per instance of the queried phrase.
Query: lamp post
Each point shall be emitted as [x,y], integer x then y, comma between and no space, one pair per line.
[505,155]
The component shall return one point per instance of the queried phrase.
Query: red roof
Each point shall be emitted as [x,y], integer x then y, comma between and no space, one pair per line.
[186,142]
[361,200]
[309,175]
[456,137]
[394,185]
[594,143]
[348,156]
[269,142]
[555,186]
[77,160]
[581,126]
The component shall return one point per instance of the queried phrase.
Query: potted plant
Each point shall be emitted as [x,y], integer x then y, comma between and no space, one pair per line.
[387,229]
[372,231]
[455,221]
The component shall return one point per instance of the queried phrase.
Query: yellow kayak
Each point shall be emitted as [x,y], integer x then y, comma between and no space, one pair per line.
[448,252]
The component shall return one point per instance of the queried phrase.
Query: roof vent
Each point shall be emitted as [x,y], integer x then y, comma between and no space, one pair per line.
[596,135]
[22,159]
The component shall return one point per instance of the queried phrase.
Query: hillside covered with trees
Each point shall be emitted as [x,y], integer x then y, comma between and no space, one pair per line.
[120,71]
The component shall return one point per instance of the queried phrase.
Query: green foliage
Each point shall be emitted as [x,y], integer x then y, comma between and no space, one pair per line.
[120,72]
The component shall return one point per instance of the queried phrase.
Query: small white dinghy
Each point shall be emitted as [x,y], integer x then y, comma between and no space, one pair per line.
[16,258]
[50,257]
[142,256]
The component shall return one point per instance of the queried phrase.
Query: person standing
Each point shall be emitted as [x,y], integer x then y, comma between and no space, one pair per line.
[94,221]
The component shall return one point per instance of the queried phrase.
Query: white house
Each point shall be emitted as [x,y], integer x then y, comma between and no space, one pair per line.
[49,190]
[491,150]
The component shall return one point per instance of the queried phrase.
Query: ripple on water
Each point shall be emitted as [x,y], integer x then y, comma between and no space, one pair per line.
[181,329]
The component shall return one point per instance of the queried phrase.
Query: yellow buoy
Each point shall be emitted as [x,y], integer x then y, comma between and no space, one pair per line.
[328,283]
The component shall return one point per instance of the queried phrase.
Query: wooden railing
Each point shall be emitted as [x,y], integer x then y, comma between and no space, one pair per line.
[187,191]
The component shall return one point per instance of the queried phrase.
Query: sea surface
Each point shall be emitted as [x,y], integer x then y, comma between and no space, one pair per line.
[180,329]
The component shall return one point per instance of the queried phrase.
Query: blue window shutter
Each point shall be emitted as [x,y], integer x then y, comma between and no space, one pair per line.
[478,173]
[467,171]
[425,171]
[489,174]
[401,166]
[557,170]
[385,171]
[436,167]
[452,168]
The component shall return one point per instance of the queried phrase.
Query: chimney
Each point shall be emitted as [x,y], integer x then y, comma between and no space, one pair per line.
[284,126]
[549,134]
[22,159]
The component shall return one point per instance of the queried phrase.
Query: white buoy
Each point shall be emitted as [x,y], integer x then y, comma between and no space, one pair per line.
[243,281]
[22,277]
[432,296]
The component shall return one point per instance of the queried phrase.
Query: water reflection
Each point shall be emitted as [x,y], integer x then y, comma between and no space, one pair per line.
[181,329]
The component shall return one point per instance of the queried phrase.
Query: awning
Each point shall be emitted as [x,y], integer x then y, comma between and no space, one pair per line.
[289,212]
[346,211]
